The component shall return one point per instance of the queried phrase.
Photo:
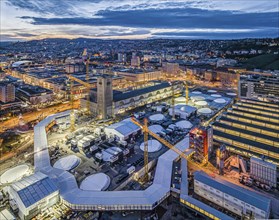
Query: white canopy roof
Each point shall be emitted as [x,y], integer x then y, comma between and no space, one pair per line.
[211,91]
[221,101]
[153,146]
[197,98]
[14,174]
[197,92]
[156,117]
[201,103]
[204,111]
[184,124]
[216,95]
[95,182]
[67,163]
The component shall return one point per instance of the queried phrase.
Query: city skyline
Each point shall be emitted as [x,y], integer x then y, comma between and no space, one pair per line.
[34,19]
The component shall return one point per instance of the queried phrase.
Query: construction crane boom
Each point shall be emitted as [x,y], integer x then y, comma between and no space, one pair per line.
[182,154]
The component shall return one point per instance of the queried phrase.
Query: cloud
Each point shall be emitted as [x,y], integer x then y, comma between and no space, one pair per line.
[168,18]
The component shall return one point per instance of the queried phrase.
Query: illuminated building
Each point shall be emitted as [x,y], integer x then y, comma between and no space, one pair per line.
[236,199]
[7,92]
[263,171]
[259,87]
[250,128]
[33,194]
[117,102]
[201,139]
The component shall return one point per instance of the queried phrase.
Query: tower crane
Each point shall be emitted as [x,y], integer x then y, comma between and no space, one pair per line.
[88,86]
[182,154]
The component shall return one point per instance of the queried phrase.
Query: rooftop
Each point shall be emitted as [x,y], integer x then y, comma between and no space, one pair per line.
[34,188]
[238,192]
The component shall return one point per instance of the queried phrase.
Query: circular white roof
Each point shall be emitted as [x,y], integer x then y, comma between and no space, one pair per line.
[231,94]
[184,124]
[156,117]
[201,103]
[204,110]
[216,95]
[155,128]
[153,146]
[197,98]
[180,99]
[211,91]
[14,174]
[221,101]
[67,163]
[95,182]
[197,92]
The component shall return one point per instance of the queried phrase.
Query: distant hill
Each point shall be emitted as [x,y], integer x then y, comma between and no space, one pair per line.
[266,62]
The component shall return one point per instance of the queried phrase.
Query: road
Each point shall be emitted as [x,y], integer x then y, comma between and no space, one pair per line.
[32,116]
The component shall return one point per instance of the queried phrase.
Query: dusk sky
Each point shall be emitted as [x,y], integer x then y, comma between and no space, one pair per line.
[140,19]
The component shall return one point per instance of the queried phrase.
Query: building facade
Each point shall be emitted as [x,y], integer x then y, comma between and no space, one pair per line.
[7,92]
[259,87]
[263,171]
[201,139]
[240,201]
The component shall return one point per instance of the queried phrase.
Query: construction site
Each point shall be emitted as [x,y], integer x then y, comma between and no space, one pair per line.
[129,150]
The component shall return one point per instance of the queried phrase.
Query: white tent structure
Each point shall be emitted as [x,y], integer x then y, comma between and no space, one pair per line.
[216,95]
[197,92]
[153,146]
[204,111]
[201,103]
[95,182]
[231,94]
[184,124]
[180,99]
[197,98]
[122,130]
[67,163]
[220,101]
[211,91]
[156,117]
[14,174]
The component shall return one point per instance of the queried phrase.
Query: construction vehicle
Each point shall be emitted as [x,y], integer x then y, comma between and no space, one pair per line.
[182,154]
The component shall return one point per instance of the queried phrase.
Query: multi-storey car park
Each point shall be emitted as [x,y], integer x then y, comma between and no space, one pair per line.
[250,128]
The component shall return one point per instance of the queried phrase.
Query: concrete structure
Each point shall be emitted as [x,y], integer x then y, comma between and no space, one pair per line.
[122,130]
[33,194]
[259,87]
[263,171]
[242,202]
[250,128]
[7,92]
